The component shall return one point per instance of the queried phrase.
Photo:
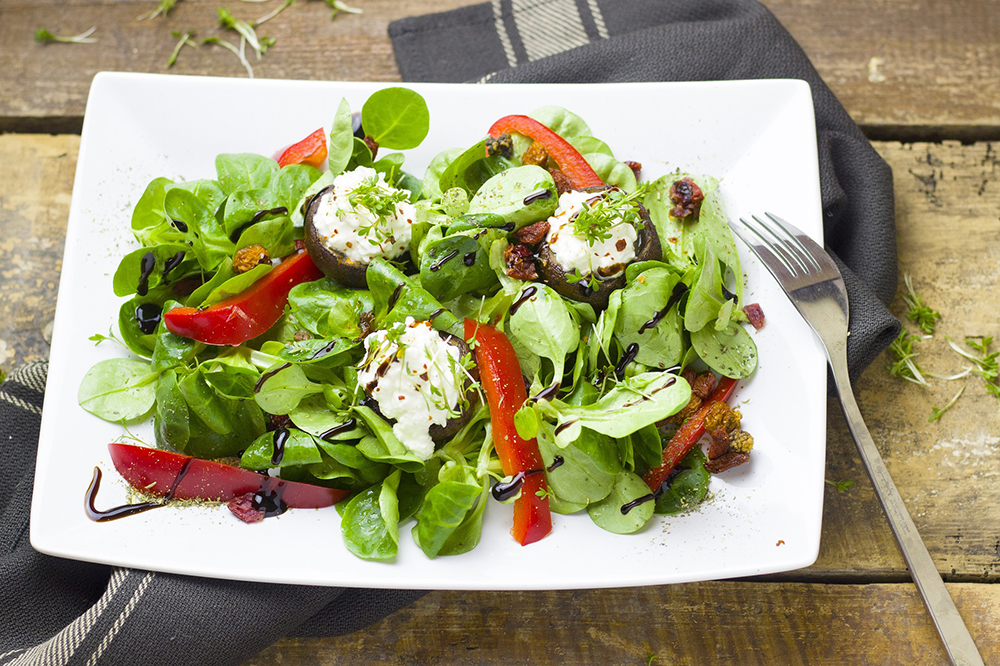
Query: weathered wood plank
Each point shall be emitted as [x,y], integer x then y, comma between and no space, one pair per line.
[903,68]
[702,623]
[947,201]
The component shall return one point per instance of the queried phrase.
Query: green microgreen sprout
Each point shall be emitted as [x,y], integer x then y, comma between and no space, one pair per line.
[936,412]
[599,216]
[841,486]
[270,15]
[241,27]
[337,6]
[162,9]
[986,365]
[376,199]
[45,37]
[919,313]
[184,38]
[239,54]
[904,366]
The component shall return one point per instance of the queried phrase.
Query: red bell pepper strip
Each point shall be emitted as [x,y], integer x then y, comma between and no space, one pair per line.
[687,435]
[156,472]
[500,374]
[310,150]
[250,312]
[570,161]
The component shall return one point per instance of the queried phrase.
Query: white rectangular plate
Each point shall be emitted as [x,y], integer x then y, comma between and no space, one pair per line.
[757,137]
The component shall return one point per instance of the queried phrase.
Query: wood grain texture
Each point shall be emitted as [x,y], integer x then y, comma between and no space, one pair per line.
[911,69]
[682,625]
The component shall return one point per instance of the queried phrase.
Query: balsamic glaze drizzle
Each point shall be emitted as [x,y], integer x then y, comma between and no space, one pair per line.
[349,424]
[650,497]
[394,298]
[436,266]
[525,295]
[279,439]
[127,509]
[172,263]
[181,226]
[469,259]
[147,316]
[146,266]
[537,196]
[267,375]
[504,490]
[630,353]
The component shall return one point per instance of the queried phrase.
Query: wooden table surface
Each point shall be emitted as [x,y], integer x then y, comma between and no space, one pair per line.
[921,77]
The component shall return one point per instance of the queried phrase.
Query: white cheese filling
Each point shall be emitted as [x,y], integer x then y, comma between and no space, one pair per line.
[606,257]
[355,230]
[416,378]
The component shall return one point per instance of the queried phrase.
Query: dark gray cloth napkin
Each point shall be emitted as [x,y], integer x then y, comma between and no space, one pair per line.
[57,611]
[595,41]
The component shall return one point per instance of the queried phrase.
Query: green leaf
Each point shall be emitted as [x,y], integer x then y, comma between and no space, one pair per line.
[688,488]
[730,352]
[244,171]
[118,389]
[443,515]
[281,392]
[607,513]
[341,139]
[543,324]
[368,531]
[643,302]
[299,449]
[396,118]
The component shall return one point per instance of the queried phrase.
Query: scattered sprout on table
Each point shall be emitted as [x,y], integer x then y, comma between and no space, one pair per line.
[184,38]
[936,412]
[900,362]
[45,37]
[919,313]
[162,9]
[841,486]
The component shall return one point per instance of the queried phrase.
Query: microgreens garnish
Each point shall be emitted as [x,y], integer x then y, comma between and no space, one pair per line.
[591,279]
[184,38]
[162,9]
[45,37]
[381,203]
[337,6]
[904,366]
[244,29]
[841,486]
[986,365]
[936,412]
[239,54]
[919,313]
[270,15]
[614,207]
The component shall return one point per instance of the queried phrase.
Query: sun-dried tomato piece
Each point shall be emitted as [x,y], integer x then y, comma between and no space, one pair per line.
[562,181]
[533,234]
[535,154]
[720,444]
[372,145]
[755,315]
[686,197]
[635,166]
[520,262]
[727,461]
[703,385]
[244,509]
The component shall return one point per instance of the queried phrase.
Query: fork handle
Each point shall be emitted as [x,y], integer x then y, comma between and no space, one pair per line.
[950,626]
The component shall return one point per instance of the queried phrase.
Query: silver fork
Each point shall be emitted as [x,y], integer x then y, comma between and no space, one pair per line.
[814,285]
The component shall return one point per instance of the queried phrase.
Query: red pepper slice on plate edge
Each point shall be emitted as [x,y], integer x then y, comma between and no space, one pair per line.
[155,472]
[687,435]
[569,159]
[500,374]
[310,150]
[250,312]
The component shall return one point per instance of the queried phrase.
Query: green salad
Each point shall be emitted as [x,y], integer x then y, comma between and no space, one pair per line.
[526,323]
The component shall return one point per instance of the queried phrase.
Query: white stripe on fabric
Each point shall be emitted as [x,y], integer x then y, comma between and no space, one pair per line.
[501,28]
[11,653]
[120,620]
[21,404]
[595,11]
[31,375]
[59,649]
[548,27]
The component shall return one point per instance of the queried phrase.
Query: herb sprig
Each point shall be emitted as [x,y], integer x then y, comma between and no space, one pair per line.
[904,365]
[184,38]
[595,221]
[937,412]
[162,9]
[919,313]
[986,365]
[43,36]
[381,203]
